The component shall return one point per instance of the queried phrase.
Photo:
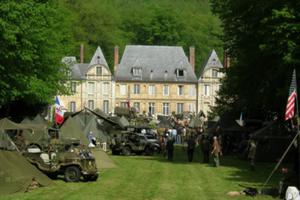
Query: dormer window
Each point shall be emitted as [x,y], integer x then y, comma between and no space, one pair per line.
[136,71]
[179,72]
[166,74]
[151,74]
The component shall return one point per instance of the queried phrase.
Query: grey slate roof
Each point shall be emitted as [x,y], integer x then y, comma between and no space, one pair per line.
[79,70]
[98,58]
[157,63]
[212,62]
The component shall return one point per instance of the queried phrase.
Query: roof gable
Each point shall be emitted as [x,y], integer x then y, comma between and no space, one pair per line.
[80,70]
[98,58]
[212,62]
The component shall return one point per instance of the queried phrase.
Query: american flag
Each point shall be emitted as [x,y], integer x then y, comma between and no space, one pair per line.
[290,106]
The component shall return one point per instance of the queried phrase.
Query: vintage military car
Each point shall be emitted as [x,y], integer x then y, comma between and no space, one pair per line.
[135,143]
[69,160]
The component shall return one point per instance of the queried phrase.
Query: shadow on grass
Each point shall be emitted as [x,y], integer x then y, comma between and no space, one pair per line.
[232,168]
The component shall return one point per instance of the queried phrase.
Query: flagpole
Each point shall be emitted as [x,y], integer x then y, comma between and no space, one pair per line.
[298,139]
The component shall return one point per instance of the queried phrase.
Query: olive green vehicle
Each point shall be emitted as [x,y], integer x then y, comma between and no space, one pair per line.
[73,162]
[133,143]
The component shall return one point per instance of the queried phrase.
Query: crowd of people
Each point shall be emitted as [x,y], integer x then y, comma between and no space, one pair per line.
[210,144]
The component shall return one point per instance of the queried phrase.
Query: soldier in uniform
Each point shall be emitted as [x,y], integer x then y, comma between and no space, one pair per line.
[170,148]
[205,147]
[216,151]
[251,154]
[190,148]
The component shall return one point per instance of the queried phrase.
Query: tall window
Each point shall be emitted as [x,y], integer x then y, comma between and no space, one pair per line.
[99,71]
[105,87]
[136,89]
[166,108]
[136,105]
[123,89]
[192,107]
[73,87]
[214,73]
[151,89]
[124,104]
[73,106]
[192,90]
[91,87]
[206,90]
[106,106]
[151,108]
[180,90]
[166,90]
[179,108]
[91,104]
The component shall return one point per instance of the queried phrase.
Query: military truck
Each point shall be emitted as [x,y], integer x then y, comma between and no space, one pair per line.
[131,143]
[69,160]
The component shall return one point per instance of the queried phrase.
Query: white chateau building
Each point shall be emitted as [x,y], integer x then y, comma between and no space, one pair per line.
[94,86]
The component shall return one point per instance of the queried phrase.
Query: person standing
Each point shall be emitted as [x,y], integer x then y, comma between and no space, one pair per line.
[205,147]
[170,148]
[190,148]
[251,154]
[216,151]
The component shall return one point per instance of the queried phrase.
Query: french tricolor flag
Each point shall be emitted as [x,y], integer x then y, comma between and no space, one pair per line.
[59,113]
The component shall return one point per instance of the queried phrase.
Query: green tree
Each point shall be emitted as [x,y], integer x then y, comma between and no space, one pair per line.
[263,39]
[34,36]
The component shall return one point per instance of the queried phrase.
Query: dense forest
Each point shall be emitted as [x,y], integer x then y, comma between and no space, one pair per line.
[158,22]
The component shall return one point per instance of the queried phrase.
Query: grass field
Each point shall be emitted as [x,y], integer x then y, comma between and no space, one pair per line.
[141,177]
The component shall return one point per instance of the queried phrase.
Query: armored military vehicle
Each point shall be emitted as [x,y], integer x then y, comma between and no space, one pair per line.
[134,143]
[69,160]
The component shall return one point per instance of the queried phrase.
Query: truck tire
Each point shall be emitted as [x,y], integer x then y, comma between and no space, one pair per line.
[72,174]
[148,151]
[126,151]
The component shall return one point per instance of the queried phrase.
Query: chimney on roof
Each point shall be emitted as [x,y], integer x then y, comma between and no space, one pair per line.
[81,53]
[226,60]
[192,57]
[116,58]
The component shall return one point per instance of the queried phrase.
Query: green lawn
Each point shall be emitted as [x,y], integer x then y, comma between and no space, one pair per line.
[141,177]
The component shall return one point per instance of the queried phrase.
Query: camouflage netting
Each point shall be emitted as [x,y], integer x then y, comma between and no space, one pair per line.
[17,174]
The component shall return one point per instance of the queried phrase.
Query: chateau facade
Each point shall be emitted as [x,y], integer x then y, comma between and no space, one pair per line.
[153,79]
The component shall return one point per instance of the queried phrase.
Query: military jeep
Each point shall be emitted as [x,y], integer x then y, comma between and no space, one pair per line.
[71,161]
[134,143]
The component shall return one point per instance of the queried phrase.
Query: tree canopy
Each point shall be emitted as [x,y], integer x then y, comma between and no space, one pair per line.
[34,35]
[157,22]
[263,41]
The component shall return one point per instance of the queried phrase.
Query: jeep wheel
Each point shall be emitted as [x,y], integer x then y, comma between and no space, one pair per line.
[91,177]
[72,174]
[148,151]
[126,151]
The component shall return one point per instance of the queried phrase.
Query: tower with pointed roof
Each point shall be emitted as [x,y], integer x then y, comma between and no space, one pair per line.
[91,85]
[209,82]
